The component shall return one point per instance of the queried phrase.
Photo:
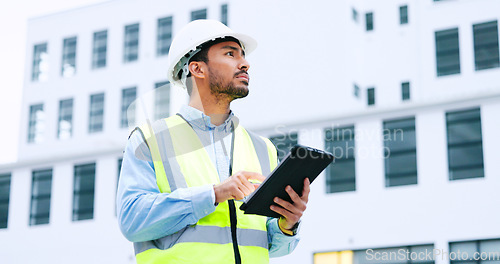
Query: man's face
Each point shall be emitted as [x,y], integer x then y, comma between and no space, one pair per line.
[227,69]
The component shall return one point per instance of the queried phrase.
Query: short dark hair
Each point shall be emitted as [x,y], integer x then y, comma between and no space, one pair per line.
[202,55]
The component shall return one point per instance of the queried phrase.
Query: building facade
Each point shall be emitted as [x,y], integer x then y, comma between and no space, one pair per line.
[405,94]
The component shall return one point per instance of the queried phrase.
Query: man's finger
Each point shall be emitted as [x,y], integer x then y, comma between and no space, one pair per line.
[285,213]
[306,191]
[245,185]
[295,197]
[288,206]
[254,175]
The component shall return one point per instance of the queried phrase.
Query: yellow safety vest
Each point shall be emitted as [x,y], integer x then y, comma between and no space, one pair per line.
[180,160]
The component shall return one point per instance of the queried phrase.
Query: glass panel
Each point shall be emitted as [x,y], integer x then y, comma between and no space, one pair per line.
[369,21]
[128,96]
[84,184]
[486,48]
[371,96]
[164,35]
[69,57]
[464,115]
[4,199]
[465,156]
[65,119]
[99,49]
[40,63]
[223,14]
[284,143]
[36,125]
[447,52]
[403,14]
[131,44]
[162,100]
[41,197]
[490,246]
[465,247]
[96,113]
[401,164]
[341,173]
[464,132]
[199,14]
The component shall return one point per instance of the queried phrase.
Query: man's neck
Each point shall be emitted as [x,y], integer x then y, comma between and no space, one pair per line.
[217,110]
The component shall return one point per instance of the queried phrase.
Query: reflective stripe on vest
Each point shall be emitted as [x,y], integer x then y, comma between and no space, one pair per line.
[174,148]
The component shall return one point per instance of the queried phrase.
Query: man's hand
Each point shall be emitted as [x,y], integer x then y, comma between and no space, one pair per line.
[292,212]
[237,186]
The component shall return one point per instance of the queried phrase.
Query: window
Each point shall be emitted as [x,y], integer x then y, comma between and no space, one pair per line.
[475,252]
[223,14]
[405,91]
[370,92]
[162,100]
[83,192]
[403,14]
[4,199]
[40,63]
[447,52]
[131,44]
[41,189]
[369,21]
[36,125]
[69,57]
[284,143]
[65,124]
[164,36]
[486,45]
[465,144]
[395,255]
[128,115]
[356,91]
[340,176]
[199,14]
[400,152]
[100,49]
[354,15]
[96,115]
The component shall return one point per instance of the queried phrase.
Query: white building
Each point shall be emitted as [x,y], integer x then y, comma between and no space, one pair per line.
[408,90]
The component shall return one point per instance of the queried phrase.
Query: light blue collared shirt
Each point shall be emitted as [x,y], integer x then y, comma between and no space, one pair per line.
[144,213]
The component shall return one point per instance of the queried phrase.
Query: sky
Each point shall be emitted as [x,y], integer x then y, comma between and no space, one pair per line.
[14,16]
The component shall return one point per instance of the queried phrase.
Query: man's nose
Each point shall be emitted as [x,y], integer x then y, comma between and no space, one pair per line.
[244,65]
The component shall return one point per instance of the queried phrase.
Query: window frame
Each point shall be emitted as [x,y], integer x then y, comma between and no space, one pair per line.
[96,113]
[440,37]
[100,49]
[131,42]
[5,180]
[69,53]
[331,182]
[38,176]
[79,214]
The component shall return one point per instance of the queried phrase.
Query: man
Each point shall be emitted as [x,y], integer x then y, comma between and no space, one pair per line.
[183,177]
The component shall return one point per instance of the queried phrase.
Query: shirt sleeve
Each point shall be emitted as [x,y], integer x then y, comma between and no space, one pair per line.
[280,244]
[144,213]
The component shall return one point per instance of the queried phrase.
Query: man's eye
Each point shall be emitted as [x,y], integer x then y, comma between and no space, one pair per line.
[230,53]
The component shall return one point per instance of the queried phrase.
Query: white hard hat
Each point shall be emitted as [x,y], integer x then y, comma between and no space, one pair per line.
[186,44]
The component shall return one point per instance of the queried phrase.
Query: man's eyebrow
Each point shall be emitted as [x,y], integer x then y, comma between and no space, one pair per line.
[234,48]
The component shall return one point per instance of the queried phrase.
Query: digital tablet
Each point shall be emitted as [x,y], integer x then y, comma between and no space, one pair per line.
[301,162]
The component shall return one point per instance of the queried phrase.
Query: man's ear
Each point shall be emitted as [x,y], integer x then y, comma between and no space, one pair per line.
[197,69]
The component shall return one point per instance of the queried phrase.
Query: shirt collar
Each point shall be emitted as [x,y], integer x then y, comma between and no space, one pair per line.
[198,119]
